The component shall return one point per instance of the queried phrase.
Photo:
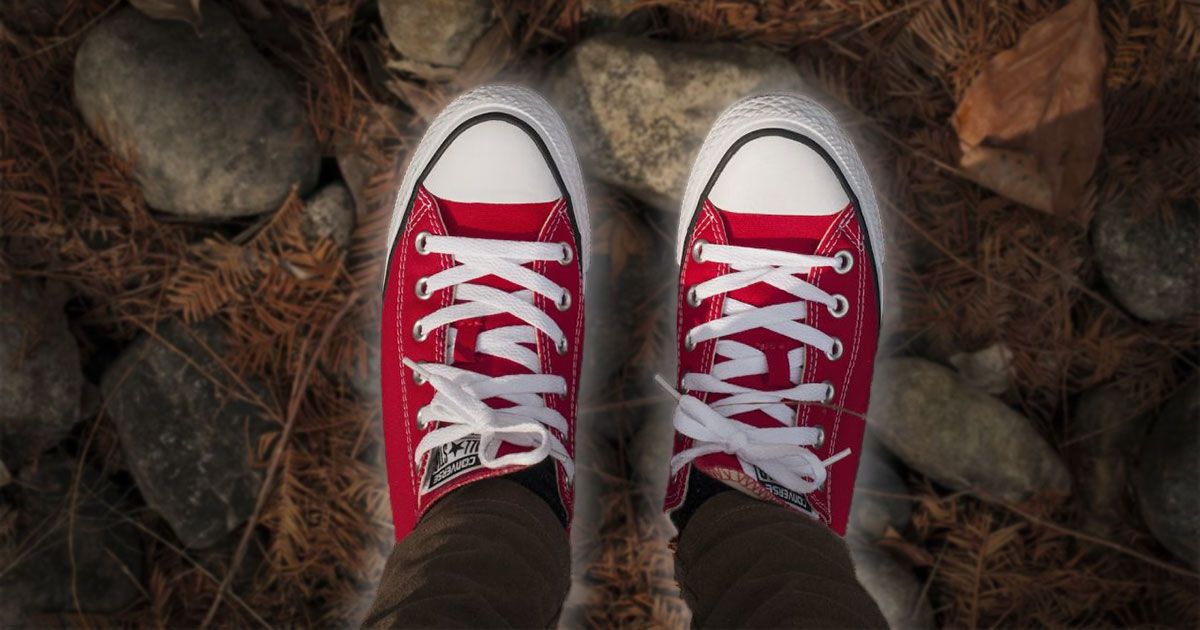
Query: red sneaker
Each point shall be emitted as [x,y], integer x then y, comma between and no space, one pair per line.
[483,305]
[780,255]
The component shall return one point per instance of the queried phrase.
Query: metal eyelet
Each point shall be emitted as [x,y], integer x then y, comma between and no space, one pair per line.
[693,298]
[698,250]
[567,254]
[830,392]
[840,307]
[419,333]
[421,418]
[422,287]
[564,301]
[688,342]
[561,347]
[422,243]
[820,437]
[835,351]
[418,378]
[845,261]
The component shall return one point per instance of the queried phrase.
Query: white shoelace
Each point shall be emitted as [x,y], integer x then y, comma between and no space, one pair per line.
[782,452]
[459,403]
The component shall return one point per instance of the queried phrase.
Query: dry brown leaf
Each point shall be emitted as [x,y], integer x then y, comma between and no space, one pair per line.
[1030,126]
[184,10]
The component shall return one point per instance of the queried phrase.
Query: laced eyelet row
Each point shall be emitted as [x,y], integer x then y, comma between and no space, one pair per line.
[844,261]
[420,334]
[421,244]
[840,307]
[835,351]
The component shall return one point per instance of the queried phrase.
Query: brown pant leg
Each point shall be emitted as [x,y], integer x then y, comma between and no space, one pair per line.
[745,563]
[491,554]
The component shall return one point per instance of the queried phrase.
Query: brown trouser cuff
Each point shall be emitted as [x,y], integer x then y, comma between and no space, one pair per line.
[744,563]
[490,554]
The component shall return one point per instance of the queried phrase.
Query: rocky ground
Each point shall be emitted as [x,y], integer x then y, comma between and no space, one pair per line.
[191,206]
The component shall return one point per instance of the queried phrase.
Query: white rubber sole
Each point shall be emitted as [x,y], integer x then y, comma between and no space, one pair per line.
[523,104]
[789,112]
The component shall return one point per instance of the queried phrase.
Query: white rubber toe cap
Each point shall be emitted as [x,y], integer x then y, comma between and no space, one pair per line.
[778,175]
[493,161]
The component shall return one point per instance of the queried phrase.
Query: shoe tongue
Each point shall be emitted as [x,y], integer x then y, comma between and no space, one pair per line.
[501,221]
[797,234]
[505,221]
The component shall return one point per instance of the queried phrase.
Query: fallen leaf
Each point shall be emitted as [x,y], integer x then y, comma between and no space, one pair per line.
[183,10]
[1030,126]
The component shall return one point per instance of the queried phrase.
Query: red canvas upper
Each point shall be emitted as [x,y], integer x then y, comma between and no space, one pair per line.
[842,419]
[416,486]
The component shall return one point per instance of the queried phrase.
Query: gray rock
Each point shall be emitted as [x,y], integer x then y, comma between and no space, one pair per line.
[894,588]
[188,441]
[1108,431]
[640,108]
[213,130]
[876,505]
[435,32]
[41,383]
[104,559]
[1168,481]
[329,214]
[989,369]
[1151,265]
[959,436]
